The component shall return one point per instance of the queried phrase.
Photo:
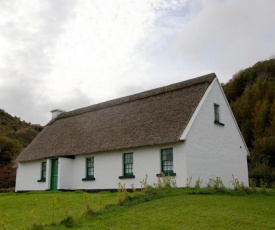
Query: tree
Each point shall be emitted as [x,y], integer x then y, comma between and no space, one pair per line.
[251,94]
[8,149]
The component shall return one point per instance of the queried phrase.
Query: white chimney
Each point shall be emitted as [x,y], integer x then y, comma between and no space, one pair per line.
[56,112]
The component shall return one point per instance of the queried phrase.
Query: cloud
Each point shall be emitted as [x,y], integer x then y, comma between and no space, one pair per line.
[228,35]
[71,53]
[29,38]
[75,99]
[106,46]
[21,101]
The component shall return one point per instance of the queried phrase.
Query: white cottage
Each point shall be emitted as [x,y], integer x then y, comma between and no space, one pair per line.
[185,130]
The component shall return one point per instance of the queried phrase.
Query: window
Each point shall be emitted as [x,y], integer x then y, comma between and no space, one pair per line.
[43,172]
[127,166]
[167,161]
[89,170]
[90,167]
[217,112]
[217,115]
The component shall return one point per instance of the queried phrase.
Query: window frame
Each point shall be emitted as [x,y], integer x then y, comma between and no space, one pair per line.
[43,172]
[217,115]
[167,172]
[90,170]
[127,164]
[217,112]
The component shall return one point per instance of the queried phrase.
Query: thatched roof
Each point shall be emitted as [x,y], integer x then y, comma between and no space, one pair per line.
[153,117]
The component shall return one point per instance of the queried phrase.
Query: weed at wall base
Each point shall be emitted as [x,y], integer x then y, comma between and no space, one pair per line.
[198,183]
[216,184]
[188,182]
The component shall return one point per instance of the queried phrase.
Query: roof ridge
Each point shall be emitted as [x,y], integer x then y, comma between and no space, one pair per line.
[145,94]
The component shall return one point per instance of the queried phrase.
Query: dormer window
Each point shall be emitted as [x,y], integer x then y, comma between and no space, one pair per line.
[217,115]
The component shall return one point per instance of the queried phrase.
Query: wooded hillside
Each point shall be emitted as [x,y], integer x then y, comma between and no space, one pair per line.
[15,135]
[251,94]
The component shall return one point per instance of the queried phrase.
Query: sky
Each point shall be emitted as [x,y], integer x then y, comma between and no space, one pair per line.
[68,54]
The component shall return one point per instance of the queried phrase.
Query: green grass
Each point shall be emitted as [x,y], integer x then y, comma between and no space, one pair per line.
[173,209]
[193,212]
[21,211]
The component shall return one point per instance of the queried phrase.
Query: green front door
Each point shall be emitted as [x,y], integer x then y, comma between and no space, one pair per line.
[54,174]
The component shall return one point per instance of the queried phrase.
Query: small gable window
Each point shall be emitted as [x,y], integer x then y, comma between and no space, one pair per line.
[217,115]
[128,162]
[43,172]
[217,112]
[167,165]
[89,169]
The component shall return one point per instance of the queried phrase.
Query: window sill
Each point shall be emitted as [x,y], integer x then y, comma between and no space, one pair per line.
[218,123]
[41,180]
[88,179]
[126,177]
[166,174]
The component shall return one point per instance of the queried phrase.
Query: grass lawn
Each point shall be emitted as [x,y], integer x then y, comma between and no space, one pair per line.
[193,212]
[21,211]
[175,210]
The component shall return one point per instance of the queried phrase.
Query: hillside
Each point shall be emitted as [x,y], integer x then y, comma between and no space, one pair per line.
[15,135]
[251,94]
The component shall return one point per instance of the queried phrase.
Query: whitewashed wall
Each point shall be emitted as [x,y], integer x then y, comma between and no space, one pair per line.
[65,173]
[109,166]
[107,169]
[212,150]
[27,175]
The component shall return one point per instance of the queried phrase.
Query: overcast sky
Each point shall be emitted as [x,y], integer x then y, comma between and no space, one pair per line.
[69,54]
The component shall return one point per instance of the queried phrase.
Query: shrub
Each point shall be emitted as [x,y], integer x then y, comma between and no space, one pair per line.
[216,184]
[123,194]
[165,182]
[262,175]
[68,222]
[198,183]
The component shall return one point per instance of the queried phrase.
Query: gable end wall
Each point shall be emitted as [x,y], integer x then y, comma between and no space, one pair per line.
[213,150]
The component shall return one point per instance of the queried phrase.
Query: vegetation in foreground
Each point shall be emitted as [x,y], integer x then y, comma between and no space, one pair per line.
[213,207]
